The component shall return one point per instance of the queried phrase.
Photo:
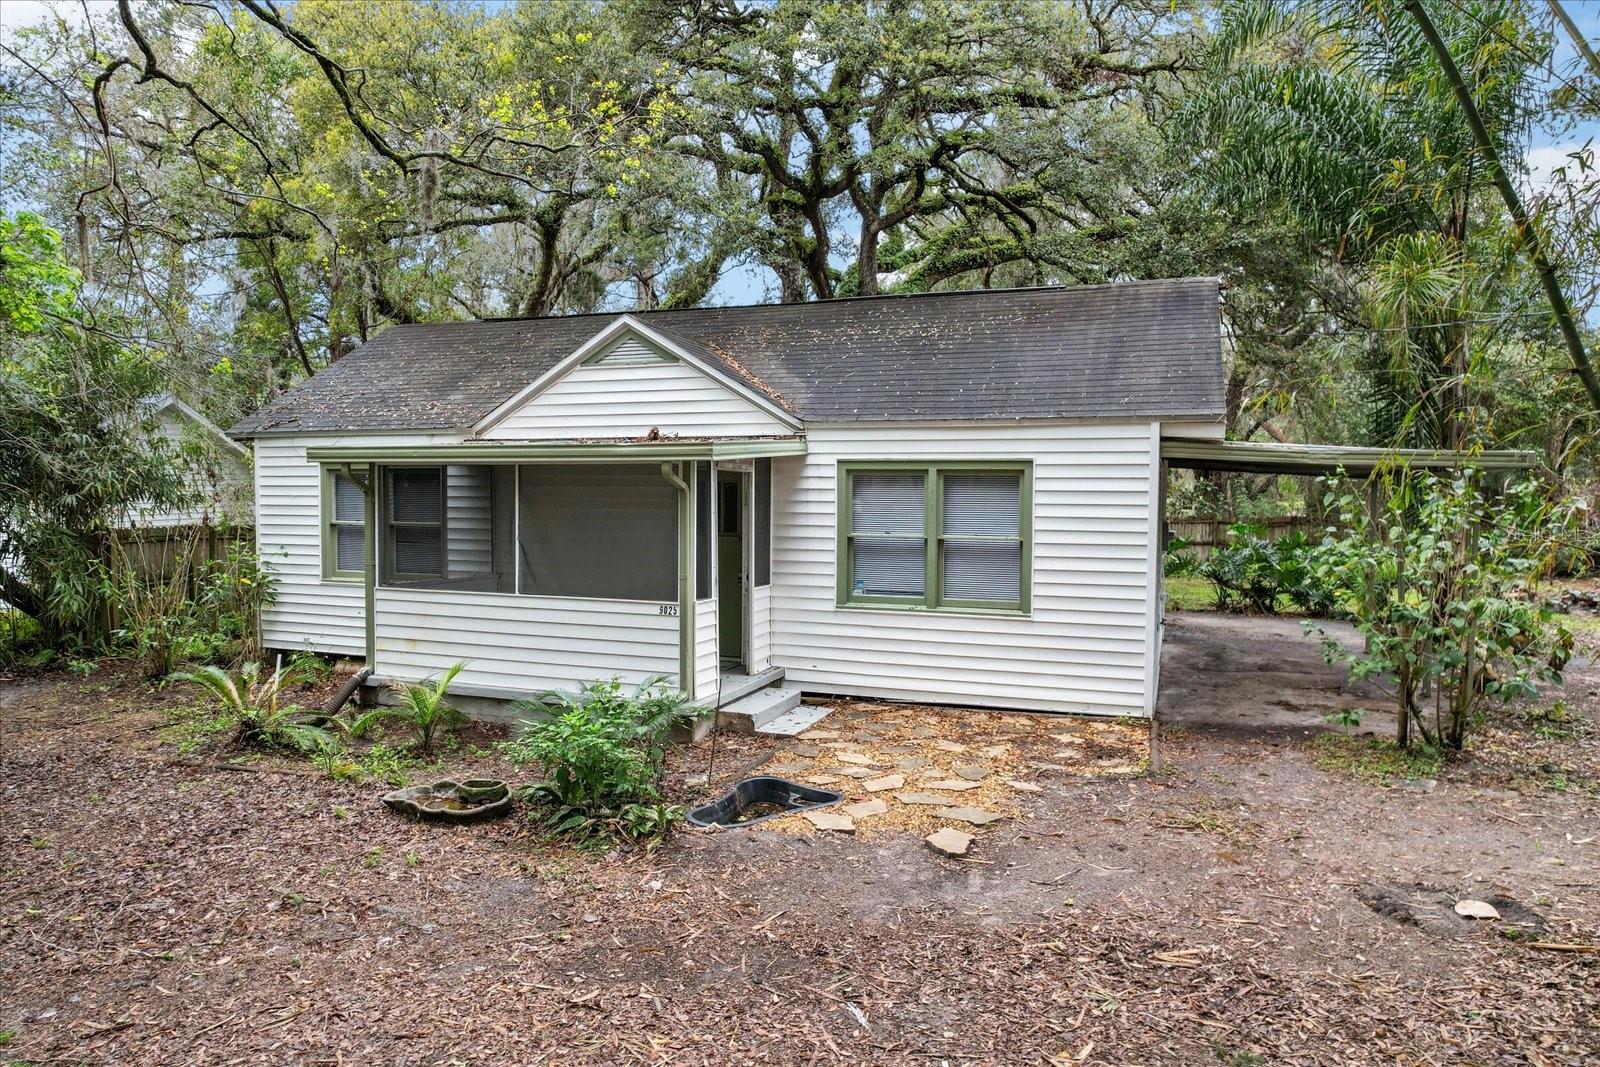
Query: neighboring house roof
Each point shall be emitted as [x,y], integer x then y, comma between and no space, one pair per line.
[157,403]
[1130,350]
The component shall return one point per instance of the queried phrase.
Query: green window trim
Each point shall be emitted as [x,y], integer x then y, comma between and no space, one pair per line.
[933,536]
[330,531]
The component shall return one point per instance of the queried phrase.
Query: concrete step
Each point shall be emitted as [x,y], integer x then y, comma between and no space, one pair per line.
[796,720]
[748,714]
[734,686]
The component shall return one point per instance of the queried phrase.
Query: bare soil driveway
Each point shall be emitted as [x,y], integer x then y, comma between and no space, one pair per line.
[1261,676]
[1268,900]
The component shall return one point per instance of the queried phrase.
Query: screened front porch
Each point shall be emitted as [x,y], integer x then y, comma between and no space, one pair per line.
[545,568]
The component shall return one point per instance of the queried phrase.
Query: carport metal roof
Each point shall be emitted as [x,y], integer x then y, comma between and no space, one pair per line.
[1265,457]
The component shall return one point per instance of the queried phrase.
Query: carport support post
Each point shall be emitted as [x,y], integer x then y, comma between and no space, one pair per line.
[1156,762]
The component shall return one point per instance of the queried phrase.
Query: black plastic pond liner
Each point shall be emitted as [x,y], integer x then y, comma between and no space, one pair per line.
[759,799]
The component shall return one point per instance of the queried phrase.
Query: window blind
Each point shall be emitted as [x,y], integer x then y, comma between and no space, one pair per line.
[348,503]
[416,523]
[414,495]
[350,547]
[417,550]
[889,542]
[982,537]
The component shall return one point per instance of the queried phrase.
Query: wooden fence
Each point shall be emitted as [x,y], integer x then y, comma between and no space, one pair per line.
[1204,532]
[158,552]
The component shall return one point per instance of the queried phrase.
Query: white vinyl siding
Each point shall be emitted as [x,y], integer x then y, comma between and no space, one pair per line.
[1083,645]
[760,628]
[309,612]
[522,644]
[707,664]
[469,536]
[326,616]
[219,478]
[627,400]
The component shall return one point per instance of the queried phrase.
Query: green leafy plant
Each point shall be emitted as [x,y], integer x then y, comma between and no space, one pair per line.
[310,666]
[601,752]
[1252,572]
[1441,584]
[422,707]
[253,703]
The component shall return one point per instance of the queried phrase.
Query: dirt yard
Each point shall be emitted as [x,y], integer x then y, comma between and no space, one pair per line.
[1274,897]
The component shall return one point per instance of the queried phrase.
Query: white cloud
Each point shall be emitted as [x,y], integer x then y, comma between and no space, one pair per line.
[1542,162]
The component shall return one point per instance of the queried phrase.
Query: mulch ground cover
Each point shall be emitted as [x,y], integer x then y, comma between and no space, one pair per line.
[1248,907]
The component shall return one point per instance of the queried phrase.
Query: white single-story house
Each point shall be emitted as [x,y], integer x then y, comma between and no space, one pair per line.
[216,468]
[946,498]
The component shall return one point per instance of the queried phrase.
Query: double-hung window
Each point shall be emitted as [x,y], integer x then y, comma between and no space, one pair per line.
[414,531]
[344,528]
[935,535]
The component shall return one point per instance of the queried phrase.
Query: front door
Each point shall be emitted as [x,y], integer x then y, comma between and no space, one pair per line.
[731,578]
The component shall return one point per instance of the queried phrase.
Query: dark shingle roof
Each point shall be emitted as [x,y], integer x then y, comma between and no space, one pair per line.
[1137,349]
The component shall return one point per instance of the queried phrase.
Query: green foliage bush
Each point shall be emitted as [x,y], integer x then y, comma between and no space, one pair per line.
[1251,572]
[601,753]
[422,707]
[253,706]
[207,615]
[1441,582]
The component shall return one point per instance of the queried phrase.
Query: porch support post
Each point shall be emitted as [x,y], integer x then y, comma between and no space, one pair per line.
[367,481]
[684,483]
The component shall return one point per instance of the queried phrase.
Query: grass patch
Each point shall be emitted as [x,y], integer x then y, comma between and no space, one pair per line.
[1190,594]
[382,763]
[1374,759]
[191,729]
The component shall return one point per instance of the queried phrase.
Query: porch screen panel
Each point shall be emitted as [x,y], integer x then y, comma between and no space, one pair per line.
[598,530]
[981,536]
[703,534]
[888,545]
[762,490]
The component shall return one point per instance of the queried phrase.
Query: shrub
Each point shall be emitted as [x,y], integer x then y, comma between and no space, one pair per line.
[253,704]
[162,624]
[601,752]
[422,707]
[1253,573]
[1440,584]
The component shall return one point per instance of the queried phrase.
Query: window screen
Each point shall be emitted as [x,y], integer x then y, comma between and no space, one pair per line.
[598,530]
[702,531]
[763,521]
[981,536]
[888,540]
[345,538]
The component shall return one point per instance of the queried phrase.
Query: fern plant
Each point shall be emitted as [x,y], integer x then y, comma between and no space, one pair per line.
[421,706]
[601,751]
[254,704]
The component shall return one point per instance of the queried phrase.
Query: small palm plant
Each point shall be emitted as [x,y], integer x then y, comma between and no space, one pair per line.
[422,707]
[254,704]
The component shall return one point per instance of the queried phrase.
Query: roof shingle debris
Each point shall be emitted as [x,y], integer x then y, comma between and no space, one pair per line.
[1129,350]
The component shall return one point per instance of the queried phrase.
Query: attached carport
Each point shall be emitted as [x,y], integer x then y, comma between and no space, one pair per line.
[1253,457]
